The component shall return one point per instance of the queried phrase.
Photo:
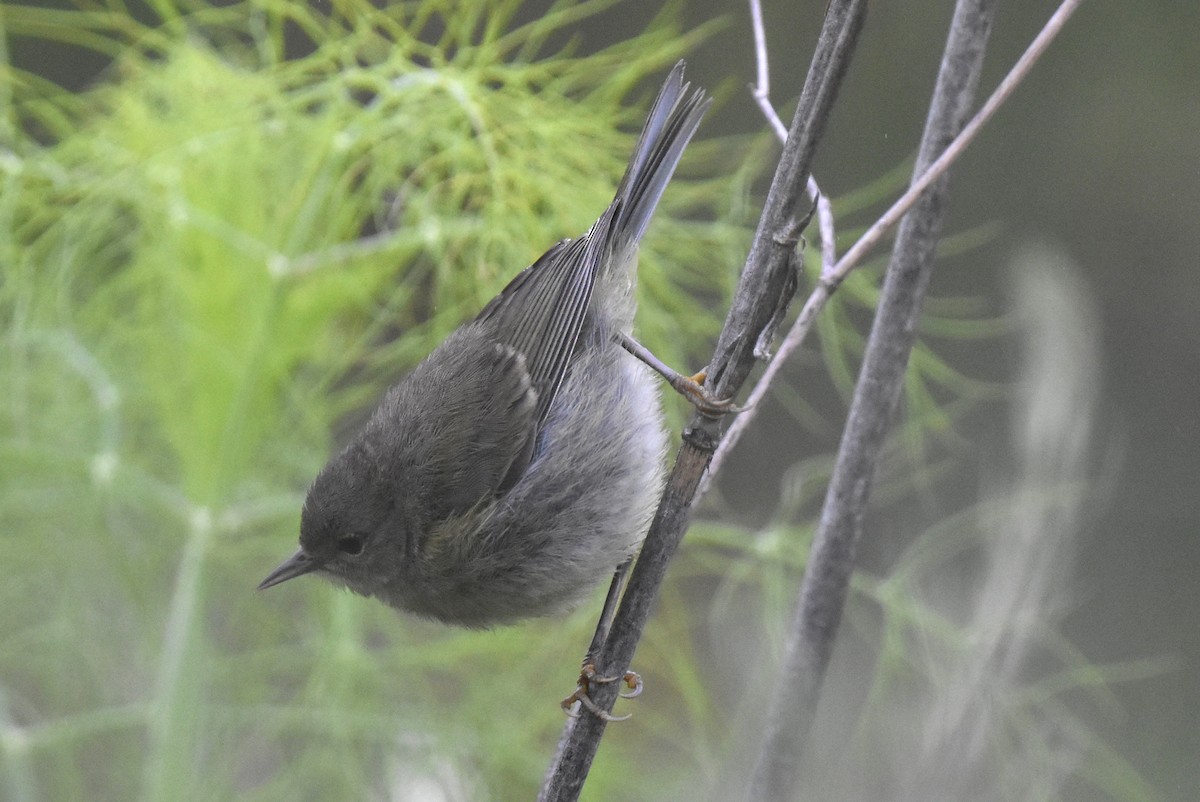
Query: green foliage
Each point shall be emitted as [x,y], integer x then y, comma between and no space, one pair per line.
[209,259]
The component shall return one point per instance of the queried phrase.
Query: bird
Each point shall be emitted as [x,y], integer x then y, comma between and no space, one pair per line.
[518,465]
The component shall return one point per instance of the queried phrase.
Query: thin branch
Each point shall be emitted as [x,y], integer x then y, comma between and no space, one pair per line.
[761,91]
[831,561]
[762,87]
[764,278]
[824,224]
[832,277]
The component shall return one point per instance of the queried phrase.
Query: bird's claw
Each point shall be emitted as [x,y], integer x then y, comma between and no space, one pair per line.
[692,387]
[582,694]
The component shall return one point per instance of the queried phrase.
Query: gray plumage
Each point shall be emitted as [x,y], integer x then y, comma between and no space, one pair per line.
[519,463]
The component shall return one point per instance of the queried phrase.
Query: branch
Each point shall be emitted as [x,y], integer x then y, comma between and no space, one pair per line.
[769,268]
[762,87]
[834,271]
[761,91]
[827,574]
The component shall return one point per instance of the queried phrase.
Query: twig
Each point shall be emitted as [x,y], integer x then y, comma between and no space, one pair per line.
[755,302]
[831,561]
[761,91]
[762,87]
[832,277]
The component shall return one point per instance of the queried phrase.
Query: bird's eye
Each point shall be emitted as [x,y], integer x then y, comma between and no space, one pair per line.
[350,544]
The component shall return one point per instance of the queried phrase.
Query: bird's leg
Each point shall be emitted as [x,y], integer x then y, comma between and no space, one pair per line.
[690,387]
[587,673]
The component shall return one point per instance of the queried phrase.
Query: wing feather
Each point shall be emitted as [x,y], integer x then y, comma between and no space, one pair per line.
[541,312]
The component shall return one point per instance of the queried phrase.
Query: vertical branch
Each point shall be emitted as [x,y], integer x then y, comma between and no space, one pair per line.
[764,279]
[826,578]
[766,271]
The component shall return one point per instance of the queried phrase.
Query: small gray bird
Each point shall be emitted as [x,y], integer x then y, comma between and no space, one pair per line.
[519,464]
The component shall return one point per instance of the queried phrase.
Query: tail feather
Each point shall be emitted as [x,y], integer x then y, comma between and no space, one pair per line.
[672,122]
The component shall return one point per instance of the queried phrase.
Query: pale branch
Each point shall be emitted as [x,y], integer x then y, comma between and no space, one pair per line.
[761,91]
[831,561]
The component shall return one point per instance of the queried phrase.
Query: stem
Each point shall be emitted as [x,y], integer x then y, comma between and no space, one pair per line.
[827,574]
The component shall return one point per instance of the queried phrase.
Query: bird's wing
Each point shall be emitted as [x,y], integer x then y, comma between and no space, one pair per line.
[542,311]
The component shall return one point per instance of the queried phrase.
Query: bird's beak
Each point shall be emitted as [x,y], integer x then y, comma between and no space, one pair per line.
[298,564]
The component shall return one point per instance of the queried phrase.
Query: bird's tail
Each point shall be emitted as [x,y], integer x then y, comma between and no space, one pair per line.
[673,120]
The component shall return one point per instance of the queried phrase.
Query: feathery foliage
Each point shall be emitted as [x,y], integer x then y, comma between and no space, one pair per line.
[260,215]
